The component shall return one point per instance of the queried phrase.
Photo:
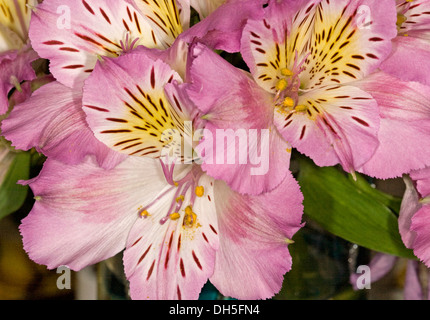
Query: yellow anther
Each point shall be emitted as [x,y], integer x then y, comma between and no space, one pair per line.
[175,216]
[176,184]
[281,85]
[37,198]
[180,198]
[401,19]
[301,108]
[286,72]
[190,218]
[289,102]
[144,214]
[200,191]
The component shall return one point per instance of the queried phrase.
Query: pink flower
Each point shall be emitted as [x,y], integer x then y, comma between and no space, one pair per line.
[314,66]
[178,227]
[75,34]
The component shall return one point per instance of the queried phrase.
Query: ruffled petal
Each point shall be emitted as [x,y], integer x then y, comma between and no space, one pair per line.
[254,235]
[133,115]
[222,29]
[72,36]
[405,114]
[410,60]
[331,40]
[421,226]
[52,121]
[83,214]
[338,124]
[173,260]
[422,181]
[235,107]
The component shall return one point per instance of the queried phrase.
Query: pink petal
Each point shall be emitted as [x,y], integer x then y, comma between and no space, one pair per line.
[422,180]
[380,265]
[72,36]
[235,105]
[133,115]
[405,116]
[410,205]
[222,29]
[421,226]
[173,260]
[329,37]
[53,122]
[83,213]
[254,235]
[416,14]
[340,125]
[413,289]
[410,60]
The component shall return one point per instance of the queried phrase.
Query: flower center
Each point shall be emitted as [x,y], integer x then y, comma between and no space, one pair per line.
[186,185]
[288,87]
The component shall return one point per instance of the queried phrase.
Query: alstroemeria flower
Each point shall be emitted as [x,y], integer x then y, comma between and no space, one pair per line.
[410,59]
[16,54]
[304,57]
[75,34]
[307,54]
[178,226]
[414,214]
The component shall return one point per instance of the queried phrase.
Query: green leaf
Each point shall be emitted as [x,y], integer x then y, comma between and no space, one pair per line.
[13,195]
[351,210]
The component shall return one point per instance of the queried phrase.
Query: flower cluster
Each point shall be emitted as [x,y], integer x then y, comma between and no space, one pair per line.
[160,147]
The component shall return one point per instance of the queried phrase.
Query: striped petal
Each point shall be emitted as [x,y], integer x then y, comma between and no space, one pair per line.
[72,36]
[164,18]
[336,124]
[173,260]
[134,115]
[413,15]
[324,43]
[52,121]
[84,213]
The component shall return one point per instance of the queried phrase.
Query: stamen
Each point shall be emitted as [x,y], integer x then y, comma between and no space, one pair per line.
[281,85]
[175,216]
[200,191]
[144,214]
[190,217]
[286,72]
[301,108]
[289,102]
